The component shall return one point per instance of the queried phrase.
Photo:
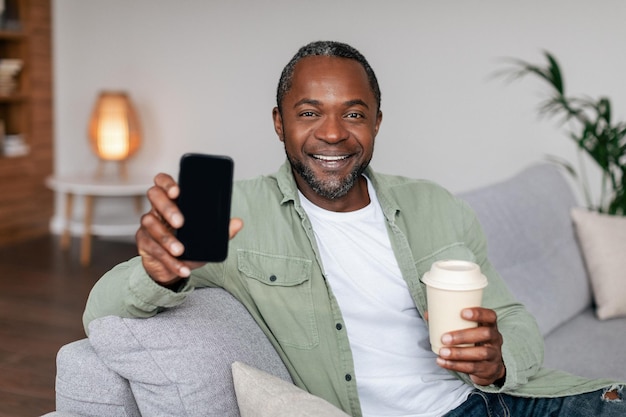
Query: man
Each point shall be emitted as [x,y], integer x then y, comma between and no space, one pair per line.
[329,263]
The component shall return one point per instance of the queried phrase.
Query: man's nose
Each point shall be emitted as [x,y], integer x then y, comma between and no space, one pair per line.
[332,130]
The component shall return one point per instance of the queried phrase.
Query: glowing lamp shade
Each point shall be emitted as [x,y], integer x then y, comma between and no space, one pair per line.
[114,127]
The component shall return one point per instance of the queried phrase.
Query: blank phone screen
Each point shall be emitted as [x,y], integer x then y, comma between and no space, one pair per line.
[205,183]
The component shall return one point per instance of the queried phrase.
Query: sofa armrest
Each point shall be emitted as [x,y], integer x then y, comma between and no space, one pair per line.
[86,386]
[179,361]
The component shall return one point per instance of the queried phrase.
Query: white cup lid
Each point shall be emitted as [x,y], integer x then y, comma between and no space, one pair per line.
[455,275]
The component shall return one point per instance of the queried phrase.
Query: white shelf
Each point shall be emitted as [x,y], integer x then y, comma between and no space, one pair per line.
[101,187]
[95,222]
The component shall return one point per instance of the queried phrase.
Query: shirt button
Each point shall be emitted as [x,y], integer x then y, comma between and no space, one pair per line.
[273,278]
[339,326]
[348,377]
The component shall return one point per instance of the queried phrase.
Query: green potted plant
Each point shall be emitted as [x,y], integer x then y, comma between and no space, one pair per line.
[591,127]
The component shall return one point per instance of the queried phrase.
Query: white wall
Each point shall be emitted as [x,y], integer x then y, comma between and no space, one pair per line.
[203,75]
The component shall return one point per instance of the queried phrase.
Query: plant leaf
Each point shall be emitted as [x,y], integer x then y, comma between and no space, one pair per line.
[556,80]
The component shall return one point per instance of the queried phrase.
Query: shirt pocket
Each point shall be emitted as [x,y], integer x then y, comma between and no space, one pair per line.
[454,251]
[281,289]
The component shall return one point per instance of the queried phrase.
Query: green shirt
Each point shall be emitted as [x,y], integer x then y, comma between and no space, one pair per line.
[275,270]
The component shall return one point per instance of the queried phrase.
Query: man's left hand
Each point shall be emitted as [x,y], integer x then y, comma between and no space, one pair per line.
[482,361]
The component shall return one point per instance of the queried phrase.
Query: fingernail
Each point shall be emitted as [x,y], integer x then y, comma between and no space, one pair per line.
[184,271]
[445,352]
[467,314]
[173,191]
[177,220]
[177,248]
[446,339]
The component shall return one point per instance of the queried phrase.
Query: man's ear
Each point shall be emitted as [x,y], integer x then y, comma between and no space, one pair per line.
[379,120]
[278,124]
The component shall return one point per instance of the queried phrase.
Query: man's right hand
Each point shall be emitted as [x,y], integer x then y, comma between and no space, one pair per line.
[155,238]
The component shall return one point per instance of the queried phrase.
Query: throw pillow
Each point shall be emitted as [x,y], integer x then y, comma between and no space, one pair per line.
[178,363]
[602,239]
[260,394]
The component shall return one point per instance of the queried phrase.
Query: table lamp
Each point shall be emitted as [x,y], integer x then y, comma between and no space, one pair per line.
[114,130]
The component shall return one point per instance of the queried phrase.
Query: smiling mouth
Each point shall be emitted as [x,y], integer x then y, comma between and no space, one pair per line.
[329,158]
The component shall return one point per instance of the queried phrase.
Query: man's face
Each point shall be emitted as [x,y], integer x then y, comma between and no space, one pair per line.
[328,124]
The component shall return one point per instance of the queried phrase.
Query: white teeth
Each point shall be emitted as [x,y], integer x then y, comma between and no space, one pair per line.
[330,158]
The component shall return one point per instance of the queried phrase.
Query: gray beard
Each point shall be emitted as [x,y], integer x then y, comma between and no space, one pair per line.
[331,189]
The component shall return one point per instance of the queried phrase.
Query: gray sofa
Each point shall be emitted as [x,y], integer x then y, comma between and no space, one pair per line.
[179,362]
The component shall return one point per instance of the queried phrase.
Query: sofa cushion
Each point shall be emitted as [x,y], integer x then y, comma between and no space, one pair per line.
[603,242]
[178,363]
[588,347]
[531,242]
[260,394]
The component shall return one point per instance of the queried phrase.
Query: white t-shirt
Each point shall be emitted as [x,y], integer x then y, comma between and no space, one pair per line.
[395,369]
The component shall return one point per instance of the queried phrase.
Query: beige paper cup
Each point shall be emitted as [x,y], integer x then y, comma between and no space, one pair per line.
[451,286]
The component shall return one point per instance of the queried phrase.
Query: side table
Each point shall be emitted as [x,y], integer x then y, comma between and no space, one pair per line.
[90,187]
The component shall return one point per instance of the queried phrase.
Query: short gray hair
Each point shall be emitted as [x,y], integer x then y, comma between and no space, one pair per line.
[325,48]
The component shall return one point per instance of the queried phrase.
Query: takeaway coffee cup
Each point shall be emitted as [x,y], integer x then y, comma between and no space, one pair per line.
[451,286]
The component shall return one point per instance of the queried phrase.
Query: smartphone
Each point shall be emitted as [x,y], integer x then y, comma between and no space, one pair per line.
[205,183]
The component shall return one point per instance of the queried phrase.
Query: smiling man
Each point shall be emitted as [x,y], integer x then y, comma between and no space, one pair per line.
[329,265]
[328,121]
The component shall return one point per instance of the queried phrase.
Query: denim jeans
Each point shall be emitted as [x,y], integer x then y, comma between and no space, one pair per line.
[593,404]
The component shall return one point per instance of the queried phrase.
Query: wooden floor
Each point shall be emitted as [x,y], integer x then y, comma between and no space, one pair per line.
[42,295]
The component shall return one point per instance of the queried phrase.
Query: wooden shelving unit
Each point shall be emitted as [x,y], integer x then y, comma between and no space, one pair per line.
[26,204]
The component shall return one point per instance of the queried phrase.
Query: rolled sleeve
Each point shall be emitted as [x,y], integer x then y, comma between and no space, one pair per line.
[128,291]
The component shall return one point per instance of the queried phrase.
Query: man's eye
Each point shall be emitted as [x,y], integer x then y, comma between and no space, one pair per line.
[307,114]
[354,115]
